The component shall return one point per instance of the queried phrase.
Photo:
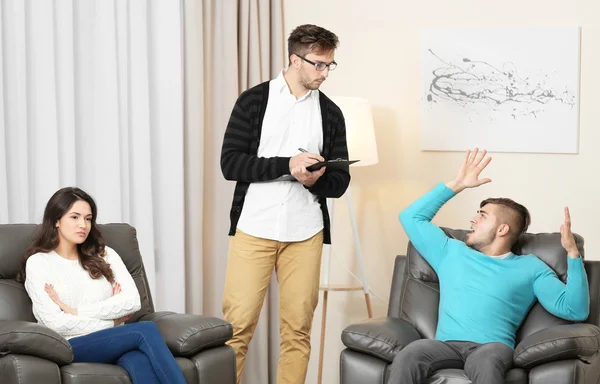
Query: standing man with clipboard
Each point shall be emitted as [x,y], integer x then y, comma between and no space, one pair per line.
[279,216]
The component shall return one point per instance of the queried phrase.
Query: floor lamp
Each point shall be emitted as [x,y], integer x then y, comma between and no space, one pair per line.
[360,136]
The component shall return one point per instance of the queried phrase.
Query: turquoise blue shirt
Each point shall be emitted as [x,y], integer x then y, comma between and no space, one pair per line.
[485,299]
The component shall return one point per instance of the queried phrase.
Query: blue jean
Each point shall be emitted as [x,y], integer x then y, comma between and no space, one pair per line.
[139,348]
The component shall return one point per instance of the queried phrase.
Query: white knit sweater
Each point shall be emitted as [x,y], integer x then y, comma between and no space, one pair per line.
[96,306]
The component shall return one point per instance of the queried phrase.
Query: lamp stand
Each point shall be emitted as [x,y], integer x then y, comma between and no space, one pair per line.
[326,287]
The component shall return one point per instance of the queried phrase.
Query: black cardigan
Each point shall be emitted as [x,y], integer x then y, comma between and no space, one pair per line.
[240,163]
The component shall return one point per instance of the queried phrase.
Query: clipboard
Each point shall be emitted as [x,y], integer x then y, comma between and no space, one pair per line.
[331,164]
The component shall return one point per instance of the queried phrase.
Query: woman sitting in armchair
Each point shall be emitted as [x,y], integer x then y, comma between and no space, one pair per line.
[81,289]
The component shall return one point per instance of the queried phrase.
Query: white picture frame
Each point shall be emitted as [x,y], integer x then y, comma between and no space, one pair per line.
[503,89]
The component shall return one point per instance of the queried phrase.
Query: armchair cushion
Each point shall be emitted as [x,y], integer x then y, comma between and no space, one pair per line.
[186,335]
[382,337]
[562,342]
[26,338]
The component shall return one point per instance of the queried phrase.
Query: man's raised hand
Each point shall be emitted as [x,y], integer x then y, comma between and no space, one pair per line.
[468,174]
[567,240]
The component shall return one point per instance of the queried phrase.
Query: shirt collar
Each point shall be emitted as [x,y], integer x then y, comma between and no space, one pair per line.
[504,256]
[281,86]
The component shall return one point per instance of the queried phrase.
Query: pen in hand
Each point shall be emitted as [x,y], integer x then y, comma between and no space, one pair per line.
[315,158]
[305,151]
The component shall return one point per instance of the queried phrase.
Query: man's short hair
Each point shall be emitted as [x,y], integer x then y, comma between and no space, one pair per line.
[515,215]
[311,38]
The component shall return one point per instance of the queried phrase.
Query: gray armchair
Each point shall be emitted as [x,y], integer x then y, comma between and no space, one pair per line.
[548,350]
[31,353]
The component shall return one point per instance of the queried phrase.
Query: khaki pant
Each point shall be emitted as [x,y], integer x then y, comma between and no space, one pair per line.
[249,267]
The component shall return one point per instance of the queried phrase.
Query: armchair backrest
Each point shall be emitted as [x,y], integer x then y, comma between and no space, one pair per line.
[14,240]
[419,290]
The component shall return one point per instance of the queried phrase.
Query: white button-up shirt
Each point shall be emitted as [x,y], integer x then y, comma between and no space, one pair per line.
[285,210]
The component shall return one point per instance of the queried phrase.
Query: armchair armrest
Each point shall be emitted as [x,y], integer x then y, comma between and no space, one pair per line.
[383,337]
[26,369]
[34,339]
[186,335]
[562,342]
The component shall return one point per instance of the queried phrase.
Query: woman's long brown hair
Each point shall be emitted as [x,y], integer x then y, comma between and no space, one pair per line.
[91,251]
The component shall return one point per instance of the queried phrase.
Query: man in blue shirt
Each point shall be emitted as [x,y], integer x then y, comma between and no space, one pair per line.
[485,290]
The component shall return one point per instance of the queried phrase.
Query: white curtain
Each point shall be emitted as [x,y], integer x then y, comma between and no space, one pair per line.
[129,100]
[91,96]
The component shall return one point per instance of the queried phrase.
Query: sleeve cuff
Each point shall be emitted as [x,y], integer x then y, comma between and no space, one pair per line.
[576,262]
[444,190]
[283,166]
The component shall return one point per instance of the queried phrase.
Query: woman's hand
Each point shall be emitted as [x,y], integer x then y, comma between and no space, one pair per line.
[121,320]
[116,288]
[63,307]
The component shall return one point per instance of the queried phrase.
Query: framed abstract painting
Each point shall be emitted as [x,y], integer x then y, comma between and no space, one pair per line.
[503,89]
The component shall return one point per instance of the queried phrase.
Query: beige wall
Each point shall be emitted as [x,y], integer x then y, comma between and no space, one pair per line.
[379,60]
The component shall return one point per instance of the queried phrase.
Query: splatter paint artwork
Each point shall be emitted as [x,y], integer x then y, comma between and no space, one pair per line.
[507,90]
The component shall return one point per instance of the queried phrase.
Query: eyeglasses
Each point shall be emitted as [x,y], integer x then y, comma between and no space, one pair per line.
[320,66]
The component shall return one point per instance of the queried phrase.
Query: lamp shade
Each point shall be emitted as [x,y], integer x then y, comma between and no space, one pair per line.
[360,132]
